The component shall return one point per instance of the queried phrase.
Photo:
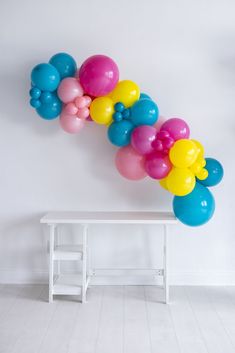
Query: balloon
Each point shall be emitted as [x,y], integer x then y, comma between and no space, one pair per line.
[45,77]
[69,89]
[70,109]
[144,95]
[65,64]
[35,92]
[215,172]
[71,123]
[202,175]
[144,112]
[142,138]
[163,183]
[177,128]
[119,133]
[83,113]
[200,148]
[51,109]
[35,103]
[180,181]
[98,75]
[126,92]
[184,153]
[101,110]
[195,209]
[157,166]
[130,164]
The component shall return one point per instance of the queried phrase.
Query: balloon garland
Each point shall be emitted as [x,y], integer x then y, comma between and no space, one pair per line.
[148,145]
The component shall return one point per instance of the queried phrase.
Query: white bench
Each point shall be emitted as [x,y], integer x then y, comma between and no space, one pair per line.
[60,252]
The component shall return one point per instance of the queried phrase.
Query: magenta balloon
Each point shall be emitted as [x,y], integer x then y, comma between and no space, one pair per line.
[98,75]
[130,164]
[142,138]
[71,123]
[177,128]
[157,166]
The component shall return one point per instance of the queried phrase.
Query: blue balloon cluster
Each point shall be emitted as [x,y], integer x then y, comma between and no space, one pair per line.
[198,207]
[45,79]
[142,112]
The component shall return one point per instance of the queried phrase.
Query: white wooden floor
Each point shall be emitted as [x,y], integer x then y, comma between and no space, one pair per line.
[118,319]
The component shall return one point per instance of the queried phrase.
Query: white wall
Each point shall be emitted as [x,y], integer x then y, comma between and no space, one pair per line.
[180,52]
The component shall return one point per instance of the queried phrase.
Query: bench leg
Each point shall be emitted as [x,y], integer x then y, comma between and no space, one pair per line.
[51,262]
[84,263]
[165,259]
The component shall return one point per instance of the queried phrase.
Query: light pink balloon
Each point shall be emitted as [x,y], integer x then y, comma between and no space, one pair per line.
[177,128]
[83,113]
[80,102]
[157,166]
[142,138]
[71,109]
[69,89]
[130,164]
[71,123]
[159,122]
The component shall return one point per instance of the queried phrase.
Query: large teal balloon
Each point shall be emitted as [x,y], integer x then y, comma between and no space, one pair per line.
[65,64]
[50,108]
[215,172]
[119,133]
[144,112]
[195,208]
[45,77]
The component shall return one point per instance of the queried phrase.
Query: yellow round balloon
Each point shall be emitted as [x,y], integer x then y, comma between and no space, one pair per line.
[180,181]
[163,183]
[203,174]
[101,110]
[200,148]
[126,92]
[183,153]
[196,167]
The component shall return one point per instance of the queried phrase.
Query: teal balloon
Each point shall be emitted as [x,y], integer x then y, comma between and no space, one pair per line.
[196,208]
[45,77]
[35,92]
[144,95]
[46,97]
[50,109]
[119,133]
[35,103]
[215,172]
[65,64]
[144,112]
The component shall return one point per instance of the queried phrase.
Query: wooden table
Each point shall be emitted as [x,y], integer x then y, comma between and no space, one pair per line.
[69,252]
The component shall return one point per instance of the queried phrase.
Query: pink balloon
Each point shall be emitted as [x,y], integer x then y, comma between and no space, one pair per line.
[159,122]
[98,75]
[83,113]
[130,164]
[69,89]
[157,166]
[71,123]
[71,109]
[142,139]
[80,102]
[177,128]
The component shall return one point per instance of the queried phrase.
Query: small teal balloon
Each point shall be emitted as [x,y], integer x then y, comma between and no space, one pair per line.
[45,77]
[65,64]
[144,112]
[35,92]
[46,97]
[126,113]
[35,103]
[50,110]
[117,116]
[144,95]
[119,107]
[119,133]
[215,172]
[196,208]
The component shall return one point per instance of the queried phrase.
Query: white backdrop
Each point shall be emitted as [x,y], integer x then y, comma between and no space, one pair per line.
[180,52]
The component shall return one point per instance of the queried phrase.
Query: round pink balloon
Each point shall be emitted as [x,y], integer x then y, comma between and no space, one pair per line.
[142,138]
[177,128]
[83,113]
[98,75]
[130,164]
[69,89]
[70,108]
[71,123]
[157,166]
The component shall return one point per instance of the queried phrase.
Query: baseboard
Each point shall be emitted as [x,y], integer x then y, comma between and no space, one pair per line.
[9,276]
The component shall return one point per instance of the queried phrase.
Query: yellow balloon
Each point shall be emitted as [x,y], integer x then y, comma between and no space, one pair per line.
[101,110]
[163,183]
[180,181]
[202,175]
[183,153]
[126,92]
[196,167]
[200,148]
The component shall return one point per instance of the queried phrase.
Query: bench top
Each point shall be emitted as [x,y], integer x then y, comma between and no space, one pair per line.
[114,217]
